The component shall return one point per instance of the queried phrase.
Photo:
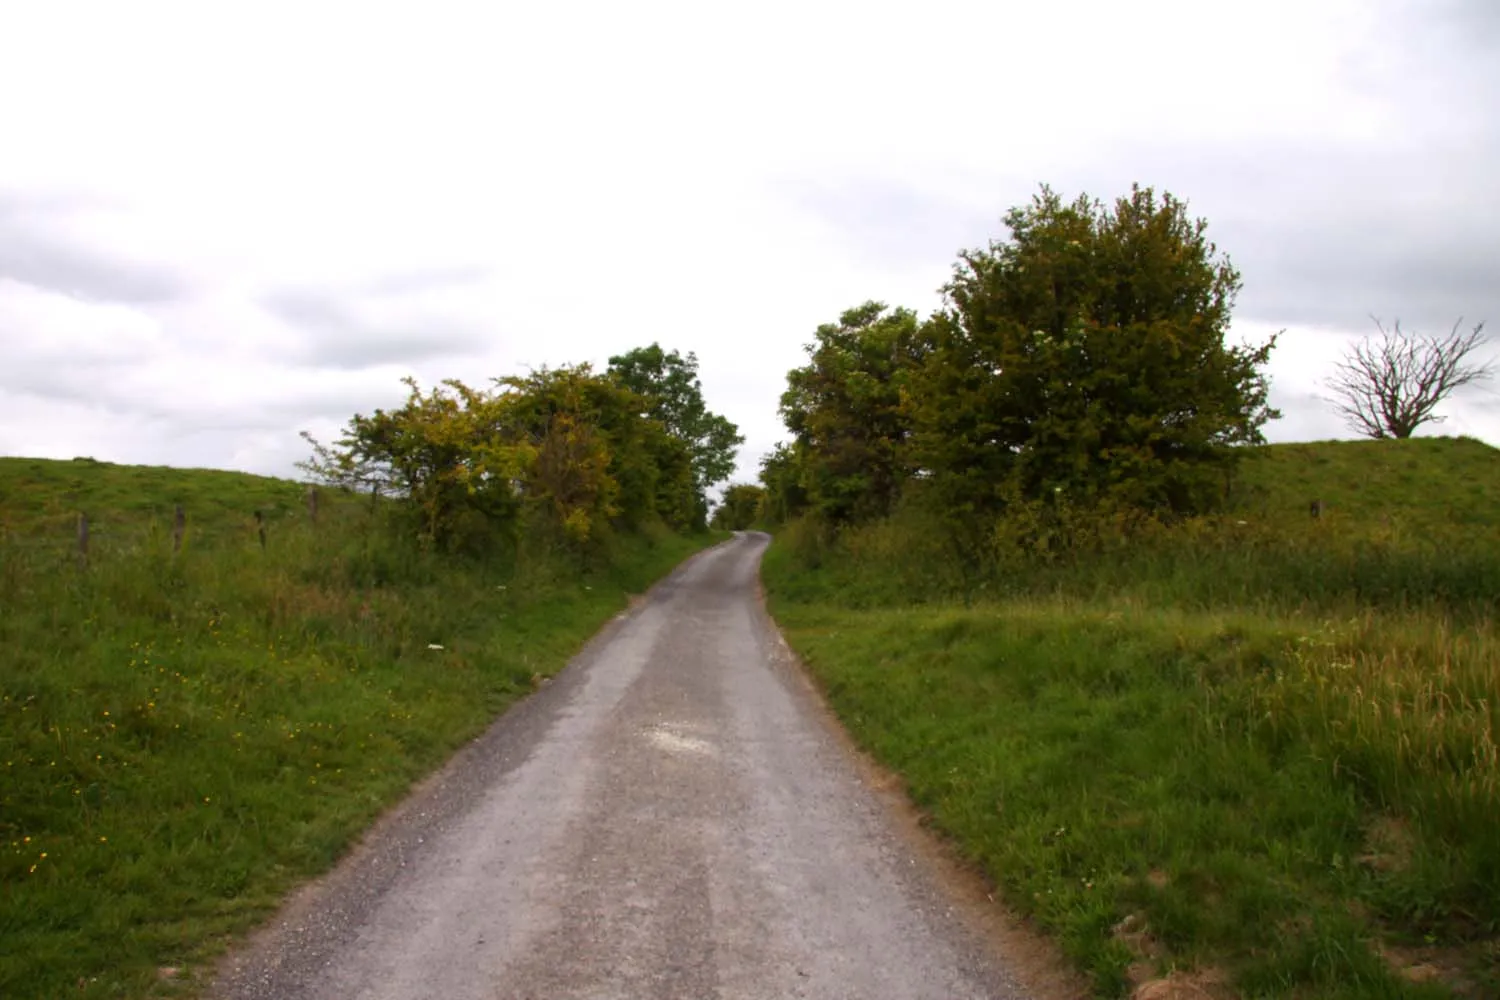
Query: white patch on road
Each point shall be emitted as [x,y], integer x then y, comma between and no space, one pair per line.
[669,738]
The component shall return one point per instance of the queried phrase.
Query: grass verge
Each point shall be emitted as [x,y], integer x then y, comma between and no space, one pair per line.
[184,737]
[1175,767]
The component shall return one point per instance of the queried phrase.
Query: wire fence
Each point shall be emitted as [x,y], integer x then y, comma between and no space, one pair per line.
[85,537]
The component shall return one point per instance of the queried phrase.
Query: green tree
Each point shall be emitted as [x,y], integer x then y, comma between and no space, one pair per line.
[448,453]
[581,428]
[674,395]
[676,500]
[781,475]
[562,450]
[844,409]
[1087,353]
[740,507]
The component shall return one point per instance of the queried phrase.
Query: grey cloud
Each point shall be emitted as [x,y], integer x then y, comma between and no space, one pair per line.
[1321,237]
[1332,239]
[888,222]
[34,250]
[61,387]
[341,330]
[307,308]
[101,386]
[1467,22]
[410,282]
[261,413]
[1403,224]
[1325,230]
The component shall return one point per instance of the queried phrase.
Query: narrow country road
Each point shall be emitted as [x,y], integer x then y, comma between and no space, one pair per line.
[672,817]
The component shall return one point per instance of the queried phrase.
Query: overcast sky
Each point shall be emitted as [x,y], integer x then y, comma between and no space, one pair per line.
[223,223]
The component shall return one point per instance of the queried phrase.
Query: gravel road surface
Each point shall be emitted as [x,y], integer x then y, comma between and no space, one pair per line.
[673,816]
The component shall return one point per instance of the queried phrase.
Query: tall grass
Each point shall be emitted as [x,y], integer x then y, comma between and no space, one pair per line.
[1341,674]
[184,735]
[1283,563]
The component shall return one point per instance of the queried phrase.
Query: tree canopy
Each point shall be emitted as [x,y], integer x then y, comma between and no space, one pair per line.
[563,450]
[1087,353]
[674,396]
[844,408]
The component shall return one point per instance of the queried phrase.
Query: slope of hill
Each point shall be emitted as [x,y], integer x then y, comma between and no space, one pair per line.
[1256,753]
[1442,482]
[186,734]
[36,491]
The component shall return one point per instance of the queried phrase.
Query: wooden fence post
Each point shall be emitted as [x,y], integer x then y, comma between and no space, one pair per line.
[179,525]
[312,504]
[260,529]
[83,539]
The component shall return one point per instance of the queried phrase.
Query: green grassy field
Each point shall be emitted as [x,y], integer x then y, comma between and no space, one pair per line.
[185,736]
[1258,751]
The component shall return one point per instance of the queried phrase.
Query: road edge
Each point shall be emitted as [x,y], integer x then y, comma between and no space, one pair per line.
[316,915]
[1034,959]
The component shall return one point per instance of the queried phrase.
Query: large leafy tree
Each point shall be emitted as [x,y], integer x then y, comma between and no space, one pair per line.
[844,409]
[564,450]
[583,431]
[673,392]
[739,508]
[1088,353]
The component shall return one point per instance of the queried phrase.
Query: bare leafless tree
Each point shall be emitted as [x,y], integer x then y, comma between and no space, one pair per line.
[1388,386]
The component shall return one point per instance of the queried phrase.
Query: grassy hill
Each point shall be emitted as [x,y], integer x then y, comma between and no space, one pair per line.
[37,492]
[1448,483]
[186,735]
[1255,753]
